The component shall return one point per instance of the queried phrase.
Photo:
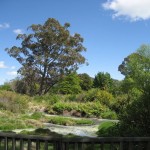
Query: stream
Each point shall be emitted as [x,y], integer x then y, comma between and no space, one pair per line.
[82,130]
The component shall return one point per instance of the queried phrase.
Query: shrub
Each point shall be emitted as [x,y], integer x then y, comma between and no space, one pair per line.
[109,115]
[10,122]
[121,101]
[101,96]
[49,99]
[13,102]
[89,109]
[108,129]
[135,121]
[37,115]
[5,87]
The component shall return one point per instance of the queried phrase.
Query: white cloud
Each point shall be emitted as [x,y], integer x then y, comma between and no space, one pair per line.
[4,25]
[130,9]
[2,64]
[18,31]
[13,67]
[12,73]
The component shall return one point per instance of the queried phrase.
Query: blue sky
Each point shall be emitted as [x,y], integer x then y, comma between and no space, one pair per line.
[112,29]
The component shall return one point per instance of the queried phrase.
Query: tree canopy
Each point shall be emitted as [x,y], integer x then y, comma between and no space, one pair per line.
[86,82]
[69,84]
[103,81]
[136,67]
[47,53]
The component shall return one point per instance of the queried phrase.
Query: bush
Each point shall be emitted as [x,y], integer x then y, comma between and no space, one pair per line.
[135,121]
[120,103]
[108,129]
[10,121]
[5,87]
[13,102]
[109,115]
[37,115]
[101,96]
[89,109]
[49,99]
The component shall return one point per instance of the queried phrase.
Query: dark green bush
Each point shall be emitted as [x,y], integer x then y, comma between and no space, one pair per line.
[108,129]
[135,121]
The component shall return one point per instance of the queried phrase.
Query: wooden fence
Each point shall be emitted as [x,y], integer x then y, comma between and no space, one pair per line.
[12,141]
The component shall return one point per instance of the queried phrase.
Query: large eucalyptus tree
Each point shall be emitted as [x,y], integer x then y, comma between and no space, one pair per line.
[47,53]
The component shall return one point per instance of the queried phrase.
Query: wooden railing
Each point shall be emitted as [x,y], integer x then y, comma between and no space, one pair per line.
[11,141]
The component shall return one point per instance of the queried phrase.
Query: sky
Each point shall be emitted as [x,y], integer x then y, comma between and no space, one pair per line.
[112,29]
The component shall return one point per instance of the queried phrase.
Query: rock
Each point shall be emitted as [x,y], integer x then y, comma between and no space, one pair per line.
[77,114]
[66,113]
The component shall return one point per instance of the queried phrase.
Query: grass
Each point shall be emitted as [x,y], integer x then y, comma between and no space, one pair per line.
[105,128]
[60,120]
[10,121]
[69,121]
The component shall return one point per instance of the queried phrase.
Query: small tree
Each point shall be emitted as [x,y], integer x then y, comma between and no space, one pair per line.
[70,84]
[86,81]
[47,54]
[103,81]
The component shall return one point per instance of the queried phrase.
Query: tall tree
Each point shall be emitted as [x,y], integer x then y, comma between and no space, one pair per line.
[136,67]
[47,53]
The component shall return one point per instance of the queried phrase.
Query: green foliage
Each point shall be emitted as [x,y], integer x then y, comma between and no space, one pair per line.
[116,87]
[69,121]
[109,115]
[136,68]
[6,87]
[101,96]
[48,98]
[11,124]
[103,81]
[120,103]
[89,109]
[13,102]
[127,84]
[86,81]
[48,53]
[10,121]
[37,115]
[70,84]
[135,120]
[108,129]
